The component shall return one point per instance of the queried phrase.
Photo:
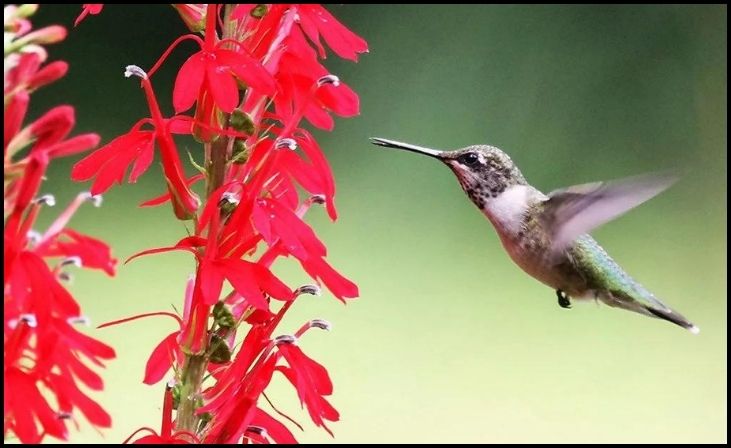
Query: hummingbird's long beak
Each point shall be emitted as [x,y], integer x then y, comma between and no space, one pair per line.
[406,146]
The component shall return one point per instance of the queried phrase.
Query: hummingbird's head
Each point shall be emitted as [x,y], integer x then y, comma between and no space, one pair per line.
[483,171]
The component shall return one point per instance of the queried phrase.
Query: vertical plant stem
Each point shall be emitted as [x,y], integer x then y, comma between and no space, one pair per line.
[216,166]
[192,377]
[194,367]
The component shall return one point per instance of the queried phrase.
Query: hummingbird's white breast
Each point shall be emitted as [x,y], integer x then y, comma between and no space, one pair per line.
[507,210]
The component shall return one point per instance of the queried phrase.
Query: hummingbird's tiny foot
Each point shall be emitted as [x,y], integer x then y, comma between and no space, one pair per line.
[563,299]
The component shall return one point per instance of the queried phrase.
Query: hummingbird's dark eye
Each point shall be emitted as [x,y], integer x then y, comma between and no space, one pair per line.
[468,159]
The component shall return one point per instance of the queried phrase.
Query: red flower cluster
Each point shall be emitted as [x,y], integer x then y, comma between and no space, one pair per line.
[46,364]
[256,76]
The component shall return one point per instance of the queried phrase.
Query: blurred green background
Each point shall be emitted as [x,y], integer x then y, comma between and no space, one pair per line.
[449,341]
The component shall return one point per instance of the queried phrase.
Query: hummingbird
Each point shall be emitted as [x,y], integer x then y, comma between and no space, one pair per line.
[546,235]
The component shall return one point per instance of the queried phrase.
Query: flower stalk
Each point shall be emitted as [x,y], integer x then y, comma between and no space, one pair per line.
[244,96]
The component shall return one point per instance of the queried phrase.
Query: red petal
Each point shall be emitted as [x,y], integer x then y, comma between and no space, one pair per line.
[341,99]
[93,253]
[14,115]
[187,243]
[161,359]
[276,429]
[53,126]
[222,86]
[271,284]
[166,197]
[296,233]
[341,40]
[84,373]
[188,82]
[340,286]
[247,69]
[68,392]
[242,277]
[110,162]
[210,277]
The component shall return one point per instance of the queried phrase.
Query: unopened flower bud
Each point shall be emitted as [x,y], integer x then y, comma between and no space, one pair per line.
[223,316]
[26,10]
[241,122]
[240,152]
[219,352]
[259,11]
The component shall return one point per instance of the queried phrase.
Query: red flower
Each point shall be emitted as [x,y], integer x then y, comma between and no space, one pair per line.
[273,428]
[163,355]
[47,374]
[316,21]
[42,348]
[256,158]
[312,383]
[213,71]
[110,163]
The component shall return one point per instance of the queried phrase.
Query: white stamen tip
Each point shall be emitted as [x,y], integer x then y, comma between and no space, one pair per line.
[134,70]
[28,318]
[328,79]
[33,236]
[321,324]
[95,199]
[694,329]
[229,197]
[286,143]
[46,199]
[285,339]
[171,383]
[79,320]
[317,198]
[75,261]
[258,430]
[312,290]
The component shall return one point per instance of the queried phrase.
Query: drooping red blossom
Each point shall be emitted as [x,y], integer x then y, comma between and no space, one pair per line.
[47,370]
[312,383]
[111,162]
[317,22]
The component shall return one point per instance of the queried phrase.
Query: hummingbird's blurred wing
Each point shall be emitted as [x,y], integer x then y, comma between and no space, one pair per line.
[576,210]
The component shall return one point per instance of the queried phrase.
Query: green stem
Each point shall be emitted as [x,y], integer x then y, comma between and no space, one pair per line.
[194,367]
[193,371]
[216,164]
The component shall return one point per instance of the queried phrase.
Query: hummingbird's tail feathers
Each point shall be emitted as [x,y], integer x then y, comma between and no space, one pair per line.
[671,316]
[642,302]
